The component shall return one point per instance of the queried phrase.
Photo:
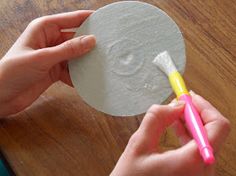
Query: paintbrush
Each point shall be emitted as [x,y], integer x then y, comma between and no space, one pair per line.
[191,115]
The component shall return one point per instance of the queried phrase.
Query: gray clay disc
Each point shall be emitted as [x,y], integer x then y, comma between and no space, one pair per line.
[117,77]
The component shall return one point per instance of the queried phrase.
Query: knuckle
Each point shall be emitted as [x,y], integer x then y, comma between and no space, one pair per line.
[225,125]
[37,55]
[154,106]
[134,144]
[153,110]
[45,52]
[40,60]
[133,139]
[71,47]
[40,53]
[39,21]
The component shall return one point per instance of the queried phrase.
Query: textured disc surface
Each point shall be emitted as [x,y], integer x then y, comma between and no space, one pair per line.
[118,77]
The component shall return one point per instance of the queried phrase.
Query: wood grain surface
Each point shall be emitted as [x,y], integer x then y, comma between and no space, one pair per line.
[61,135]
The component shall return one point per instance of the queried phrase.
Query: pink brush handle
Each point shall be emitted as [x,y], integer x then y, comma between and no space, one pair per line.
[197,130]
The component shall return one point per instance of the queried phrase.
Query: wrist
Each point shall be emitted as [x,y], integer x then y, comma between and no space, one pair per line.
[1,83]
[3,105]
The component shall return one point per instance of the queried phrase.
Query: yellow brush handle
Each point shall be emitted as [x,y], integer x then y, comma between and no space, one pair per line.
[178,84]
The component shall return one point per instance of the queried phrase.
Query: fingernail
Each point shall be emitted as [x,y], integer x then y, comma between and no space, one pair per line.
[88,42]
[192,93]
[176,103]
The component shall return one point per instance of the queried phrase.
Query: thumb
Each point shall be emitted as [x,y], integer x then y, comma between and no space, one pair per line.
[156,120]
[69,49]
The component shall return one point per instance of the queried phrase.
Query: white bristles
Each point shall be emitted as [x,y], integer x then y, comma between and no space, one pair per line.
[165,63]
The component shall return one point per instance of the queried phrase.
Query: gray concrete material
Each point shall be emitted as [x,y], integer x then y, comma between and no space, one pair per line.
[118,77]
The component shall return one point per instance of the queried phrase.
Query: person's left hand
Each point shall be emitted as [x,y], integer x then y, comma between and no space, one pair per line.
[39,58]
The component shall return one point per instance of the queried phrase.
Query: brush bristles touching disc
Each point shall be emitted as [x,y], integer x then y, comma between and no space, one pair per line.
[165,63]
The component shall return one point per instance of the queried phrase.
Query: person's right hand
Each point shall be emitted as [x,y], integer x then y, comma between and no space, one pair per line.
[143,158]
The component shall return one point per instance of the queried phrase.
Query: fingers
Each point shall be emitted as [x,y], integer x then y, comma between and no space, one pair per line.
[201,104]
[180,129]
[181,132]
[64,37]
[67,36]
[66,20]
[65,77]
[217,126]
[156,120]
[70,49]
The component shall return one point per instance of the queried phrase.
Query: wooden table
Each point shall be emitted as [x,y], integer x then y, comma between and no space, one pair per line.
[61,135]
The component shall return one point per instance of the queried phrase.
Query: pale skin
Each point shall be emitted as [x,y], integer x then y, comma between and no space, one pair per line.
[39,58]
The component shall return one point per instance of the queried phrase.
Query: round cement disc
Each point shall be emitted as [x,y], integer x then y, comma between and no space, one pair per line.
[117,77]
